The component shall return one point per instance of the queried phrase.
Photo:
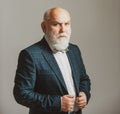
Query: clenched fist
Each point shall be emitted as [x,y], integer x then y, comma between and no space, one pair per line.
[68,103]
[81,100]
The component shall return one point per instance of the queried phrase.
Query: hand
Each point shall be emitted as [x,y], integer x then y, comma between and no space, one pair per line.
[67,103]
[81,100]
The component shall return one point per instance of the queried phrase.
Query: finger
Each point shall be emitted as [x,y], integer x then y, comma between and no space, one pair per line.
[81,93]
[80,99]
[81,106]
[68,107]
[70,96]
[81,102]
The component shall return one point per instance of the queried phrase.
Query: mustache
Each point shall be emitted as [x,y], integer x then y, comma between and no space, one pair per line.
[62,35]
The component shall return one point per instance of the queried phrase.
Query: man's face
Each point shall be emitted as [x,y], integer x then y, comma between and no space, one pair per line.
[58,26]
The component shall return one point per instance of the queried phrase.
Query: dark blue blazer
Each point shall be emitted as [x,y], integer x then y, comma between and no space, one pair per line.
[39,83]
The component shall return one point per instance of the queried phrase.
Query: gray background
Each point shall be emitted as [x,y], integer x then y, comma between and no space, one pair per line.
[95,29]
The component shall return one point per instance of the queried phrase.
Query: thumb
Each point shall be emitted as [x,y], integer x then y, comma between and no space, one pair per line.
[70,96]
[80,94]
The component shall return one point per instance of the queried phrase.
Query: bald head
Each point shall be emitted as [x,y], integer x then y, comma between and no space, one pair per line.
[53,12]
[54,16]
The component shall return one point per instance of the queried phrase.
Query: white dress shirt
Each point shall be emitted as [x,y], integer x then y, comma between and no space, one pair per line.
[64,65]
[65,68]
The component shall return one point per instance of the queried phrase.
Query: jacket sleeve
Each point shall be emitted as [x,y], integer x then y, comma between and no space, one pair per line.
[85,83]
[24,92]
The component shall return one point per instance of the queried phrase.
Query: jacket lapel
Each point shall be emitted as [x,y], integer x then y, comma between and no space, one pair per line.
[74,68]
[48,55]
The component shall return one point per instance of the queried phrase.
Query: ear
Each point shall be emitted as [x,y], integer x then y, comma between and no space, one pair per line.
[43,26]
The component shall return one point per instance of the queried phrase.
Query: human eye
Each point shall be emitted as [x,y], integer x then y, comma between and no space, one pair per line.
[55,24]
[67,23]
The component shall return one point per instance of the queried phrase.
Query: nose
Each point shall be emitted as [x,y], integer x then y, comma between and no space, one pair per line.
[62,28]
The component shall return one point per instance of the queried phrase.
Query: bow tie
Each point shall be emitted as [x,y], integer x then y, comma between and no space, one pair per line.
[63,51]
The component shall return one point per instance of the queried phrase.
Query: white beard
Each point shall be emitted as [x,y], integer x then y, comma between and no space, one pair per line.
[60,42]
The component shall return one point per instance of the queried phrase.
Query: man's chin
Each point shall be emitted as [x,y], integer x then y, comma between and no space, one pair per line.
[62,39]
[61,46]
